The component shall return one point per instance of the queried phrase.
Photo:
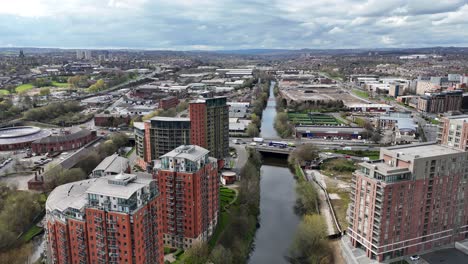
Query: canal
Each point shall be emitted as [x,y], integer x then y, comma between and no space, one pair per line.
[277,219]
[267,130]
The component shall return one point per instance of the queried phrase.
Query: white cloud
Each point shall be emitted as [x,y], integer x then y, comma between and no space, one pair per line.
[233,23]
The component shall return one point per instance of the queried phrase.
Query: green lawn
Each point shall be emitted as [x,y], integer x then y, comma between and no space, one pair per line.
[362,94]
[32,232]
[371,154]
[4,92]
[24,87]
[59,84]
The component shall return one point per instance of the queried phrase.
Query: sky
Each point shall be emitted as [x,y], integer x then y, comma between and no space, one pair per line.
[233,24]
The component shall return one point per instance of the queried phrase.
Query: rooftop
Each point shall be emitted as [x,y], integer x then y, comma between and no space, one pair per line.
[103,186]
[424,150]
[64,138]
[170,119]
[113,163]
[190,152]
[74,194]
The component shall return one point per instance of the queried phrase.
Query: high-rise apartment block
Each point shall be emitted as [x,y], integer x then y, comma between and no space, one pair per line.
[453,131]
[188,181]
[210,125]
[161,135]
[441,102]
[411,200]
[113,219]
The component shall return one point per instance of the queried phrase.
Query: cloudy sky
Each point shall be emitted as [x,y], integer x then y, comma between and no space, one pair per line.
[233,24]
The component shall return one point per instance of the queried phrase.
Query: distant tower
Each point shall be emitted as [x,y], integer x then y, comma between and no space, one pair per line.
[21,56]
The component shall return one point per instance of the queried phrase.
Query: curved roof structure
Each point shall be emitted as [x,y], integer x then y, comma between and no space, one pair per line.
[21,134]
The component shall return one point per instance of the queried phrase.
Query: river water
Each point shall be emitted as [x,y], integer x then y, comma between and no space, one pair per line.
[277,220]
[268,117]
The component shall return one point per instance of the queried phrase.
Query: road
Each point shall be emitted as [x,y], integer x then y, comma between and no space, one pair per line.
[320,143]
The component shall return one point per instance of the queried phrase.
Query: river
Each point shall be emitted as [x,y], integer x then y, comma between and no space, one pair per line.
[267,129]
[277,219]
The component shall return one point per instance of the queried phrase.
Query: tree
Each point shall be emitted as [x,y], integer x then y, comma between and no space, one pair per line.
[307,199]
[78,81]
[57,176]
[219,254]
[197,254]
[183,105]
[255,119]
[305,152]
[41,82]
[98,86]
[376,137]
[252,130]
[44,91]
[310,244]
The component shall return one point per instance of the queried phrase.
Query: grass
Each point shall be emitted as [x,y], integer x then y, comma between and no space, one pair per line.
[371,154]
[362,94]
[222,223]
[32,232]
[4,92]
[24,87]
[340,205]
[316,119]
[435,122]
[59,84]
[340,168]
[130,152]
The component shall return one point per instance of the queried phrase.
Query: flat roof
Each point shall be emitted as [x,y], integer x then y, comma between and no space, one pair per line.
[70,195]
[139,125]
[170,119]
[424,150]
[102,187]
[190,152]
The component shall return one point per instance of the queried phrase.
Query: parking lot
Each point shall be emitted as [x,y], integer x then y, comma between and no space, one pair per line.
[445,256]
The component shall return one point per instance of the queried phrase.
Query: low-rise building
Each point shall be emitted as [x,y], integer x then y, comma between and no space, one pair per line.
[327,132]
[111,120]
[168,102]
[112,165]
[63,143]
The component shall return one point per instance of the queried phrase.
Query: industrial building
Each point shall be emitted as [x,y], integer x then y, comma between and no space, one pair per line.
[188,181]
[113,219]
[411,200]
[327,132]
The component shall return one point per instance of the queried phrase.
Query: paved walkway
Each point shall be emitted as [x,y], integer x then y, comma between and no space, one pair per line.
[324,208]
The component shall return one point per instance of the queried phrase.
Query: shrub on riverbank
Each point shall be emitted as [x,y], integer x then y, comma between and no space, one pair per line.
[310,243]
[282,126]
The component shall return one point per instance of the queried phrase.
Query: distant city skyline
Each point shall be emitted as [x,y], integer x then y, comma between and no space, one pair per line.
[232,25]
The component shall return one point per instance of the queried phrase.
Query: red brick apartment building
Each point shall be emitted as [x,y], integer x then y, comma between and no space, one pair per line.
[410,201]
[453,131]
[188,183]
[209,125]
[168,102]
[113,219]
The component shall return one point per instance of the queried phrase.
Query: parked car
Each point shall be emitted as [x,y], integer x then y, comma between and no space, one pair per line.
[414,257]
